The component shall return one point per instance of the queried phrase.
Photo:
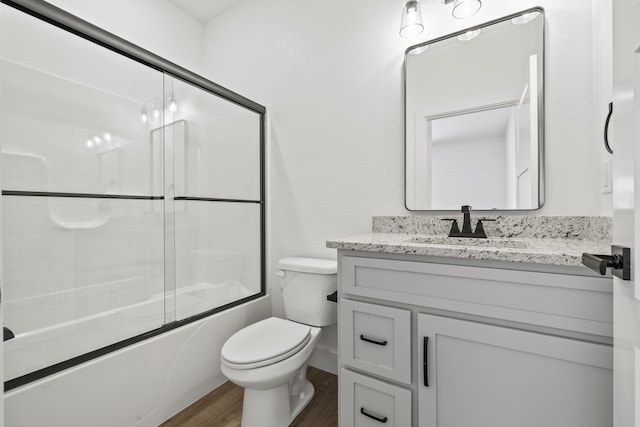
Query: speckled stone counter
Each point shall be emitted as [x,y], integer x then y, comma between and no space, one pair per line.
[524,239]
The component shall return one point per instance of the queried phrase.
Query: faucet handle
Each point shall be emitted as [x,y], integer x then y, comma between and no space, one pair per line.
[454,226]
[480,228]
[465,209]
[480,233]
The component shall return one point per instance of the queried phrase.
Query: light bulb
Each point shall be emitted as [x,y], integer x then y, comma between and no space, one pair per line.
[418,50]
[465,8]
[97,140]
[156,113]
[107,136]
[525,17]
[89,143]
[411,25]
[469,35]
[173,105]
[144,116]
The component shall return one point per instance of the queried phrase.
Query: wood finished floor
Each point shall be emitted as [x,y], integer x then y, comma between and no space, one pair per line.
[223,406]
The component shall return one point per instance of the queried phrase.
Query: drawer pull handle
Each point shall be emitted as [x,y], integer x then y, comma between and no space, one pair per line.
[363,338]
[425,361]
[373,417]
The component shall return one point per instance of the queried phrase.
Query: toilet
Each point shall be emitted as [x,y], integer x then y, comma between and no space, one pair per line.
[269,358]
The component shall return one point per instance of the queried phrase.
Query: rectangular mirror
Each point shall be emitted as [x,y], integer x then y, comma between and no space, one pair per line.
[474,116]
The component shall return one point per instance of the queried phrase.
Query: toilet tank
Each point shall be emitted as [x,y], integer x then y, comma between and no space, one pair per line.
[305,284]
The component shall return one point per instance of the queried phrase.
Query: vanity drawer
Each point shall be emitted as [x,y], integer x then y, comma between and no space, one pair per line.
[366,401]
[376,339]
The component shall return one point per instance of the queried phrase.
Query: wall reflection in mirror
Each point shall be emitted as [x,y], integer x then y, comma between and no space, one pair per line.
[474,117]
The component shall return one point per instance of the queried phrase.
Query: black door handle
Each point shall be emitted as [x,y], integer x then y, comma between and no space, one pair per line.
[606,129]
[619,261]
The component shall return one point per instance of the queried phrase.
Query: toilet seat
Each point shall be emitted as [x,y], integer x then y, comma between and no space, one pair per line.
[264,343]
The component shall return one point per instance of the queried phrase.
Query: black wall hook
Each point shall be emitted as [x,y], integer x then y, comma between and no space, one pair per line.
[606,129]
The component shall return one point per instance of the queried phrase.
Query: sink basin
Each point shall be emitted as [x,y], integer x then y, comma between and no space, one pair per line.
[462,241]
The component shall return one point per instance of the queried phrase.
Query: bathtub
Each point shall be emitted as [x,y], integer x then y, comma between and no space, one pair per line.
[141,385]
[55,327]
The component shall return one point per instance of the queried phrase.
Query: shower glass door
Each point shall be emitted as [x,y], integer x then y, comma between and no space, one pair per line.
[215,162]
[132,200]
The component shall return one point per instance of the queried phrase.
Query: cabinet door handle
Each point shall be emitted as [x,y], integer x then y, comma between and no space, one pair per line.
[363,338]
[606,129]
[425,361]
[373,417]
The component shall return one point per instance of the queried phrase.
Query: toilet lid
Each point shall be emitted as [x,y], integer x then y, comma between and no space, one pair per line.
[265,342]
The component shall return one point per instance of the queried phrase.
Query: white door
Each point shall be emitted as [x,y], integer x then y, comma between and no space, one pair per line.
[625,142]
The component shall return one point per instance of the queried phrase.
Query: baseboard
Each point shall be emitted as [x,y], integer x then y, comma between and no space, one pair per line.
[326,359]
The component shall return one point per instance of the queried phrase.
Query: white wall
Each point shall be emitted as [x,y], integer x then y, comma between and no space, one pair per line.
[331,73]
[157,26]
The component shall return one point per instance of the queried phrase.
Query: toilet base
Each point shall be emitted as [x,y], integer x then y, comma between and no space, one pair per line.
[274,407]
[299,401]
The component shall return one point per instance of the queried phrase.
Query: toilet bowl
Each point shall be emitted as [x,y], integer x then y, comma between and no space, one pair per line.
[269,358]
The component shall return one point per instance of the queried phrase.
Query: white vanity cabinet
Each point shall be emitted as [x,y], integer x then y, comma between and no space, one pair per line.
[451,345]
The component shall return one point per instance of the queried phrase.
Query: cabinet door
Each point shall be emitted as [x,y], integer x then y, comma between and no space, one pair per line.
[473,374]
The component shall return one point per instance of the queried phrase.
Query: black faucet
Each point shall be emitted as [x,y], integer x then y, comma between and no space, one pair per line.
[466,225]
[466,222]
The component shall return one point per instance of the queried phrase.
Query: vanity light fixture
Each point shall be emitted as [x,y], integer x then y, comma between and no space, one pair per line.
[469,35]
[465,8]
[525,17]
[411,25]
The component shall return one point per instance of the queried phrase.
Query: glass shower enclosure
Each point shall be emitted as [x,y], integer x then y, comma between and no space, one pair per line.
[132,193]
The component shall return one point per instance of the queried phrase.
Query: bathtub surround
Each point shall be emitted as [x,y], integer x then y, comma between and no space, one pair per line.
[124,236]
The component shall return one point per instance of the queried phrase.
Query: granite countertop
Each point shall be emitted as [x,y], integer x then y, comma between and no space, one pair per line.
[556,241]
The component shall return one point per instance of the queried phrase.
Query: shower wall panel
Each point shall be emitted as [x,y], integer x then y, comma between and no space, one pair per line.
[133,199]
